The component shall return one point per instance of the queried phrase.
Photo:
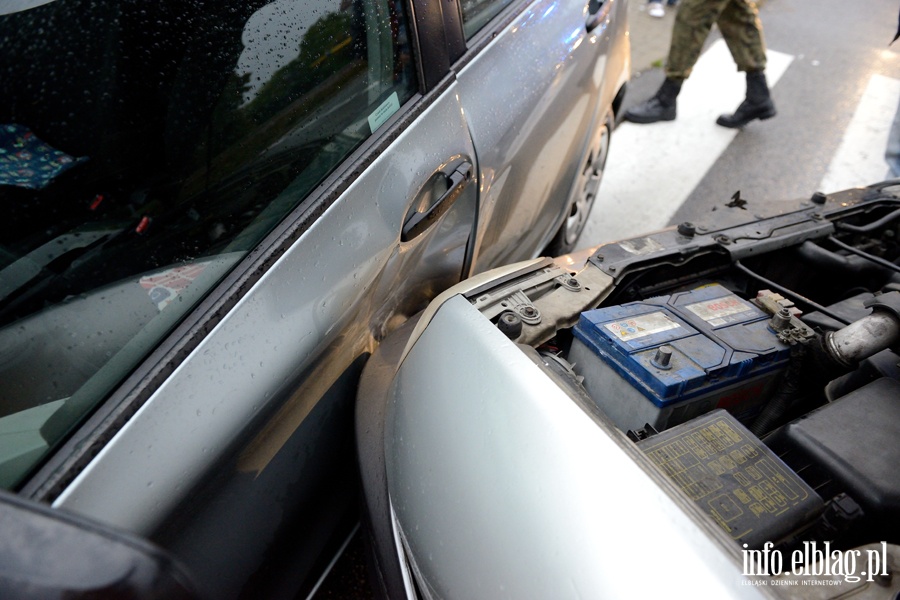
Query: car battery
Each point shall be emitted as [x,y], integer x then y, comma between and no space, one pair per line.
[665,360]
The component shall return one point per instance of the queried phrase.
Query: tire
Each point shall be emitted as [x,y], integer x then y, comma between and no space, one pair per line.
[584,191]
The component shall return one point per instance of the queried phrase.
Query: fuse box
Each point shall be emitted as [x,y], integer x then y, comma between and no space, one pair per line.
[734,477]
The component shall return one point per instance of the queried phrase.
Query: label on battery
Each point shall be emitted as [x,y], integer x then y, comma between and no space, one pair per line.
[716,311]
[640,326]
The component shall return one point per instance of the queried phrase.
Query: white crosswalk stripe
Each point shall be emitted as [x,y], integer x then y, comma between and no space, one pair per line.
[652,169]
[859,159]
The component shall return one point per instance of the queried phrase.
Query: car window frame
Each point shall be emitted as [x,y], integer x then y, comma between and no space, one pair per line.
[427,24]
[438,38]
[484,36]
[451,51]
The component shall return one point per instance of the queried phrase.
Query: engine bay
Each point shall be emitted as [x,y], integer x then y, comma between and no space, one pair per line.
[756,365]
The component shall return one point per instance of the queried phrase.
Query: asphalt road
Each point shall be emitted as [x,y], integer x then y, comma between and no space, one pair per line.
[835,82]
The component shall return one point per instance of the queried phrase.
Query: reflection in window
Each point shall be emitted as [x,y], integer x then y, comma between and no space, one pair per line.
[145,147]
[477,13]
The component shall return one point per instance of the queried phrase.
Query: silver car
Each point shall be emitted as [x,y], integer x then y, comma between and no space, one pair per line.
[707,411]
[216,210]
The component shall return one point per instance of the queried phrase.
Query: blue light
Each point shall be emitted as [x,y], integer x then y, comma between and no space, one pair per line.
[549,10]
[576,33]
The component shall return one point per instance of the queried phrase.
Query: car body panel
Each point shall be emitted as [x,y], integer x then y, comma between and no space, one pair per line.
[503,486]
[552,92]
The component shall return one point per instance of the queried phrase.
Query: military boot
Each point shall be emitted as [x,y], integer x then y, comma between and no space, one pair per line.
[661,107]
[757,105]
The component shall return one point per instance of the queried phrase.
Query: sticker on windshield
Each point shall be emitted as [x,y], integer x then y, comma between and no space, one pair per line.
[638,327]
[716,310]
[384,112]
[165,287]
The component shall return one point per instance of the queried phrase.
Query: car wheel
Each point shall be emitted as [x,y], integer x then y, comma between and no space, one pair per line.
[584,191]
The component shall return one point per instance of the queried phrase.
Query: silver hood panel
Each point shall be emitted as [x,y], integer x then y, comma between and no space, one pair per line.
[505,488]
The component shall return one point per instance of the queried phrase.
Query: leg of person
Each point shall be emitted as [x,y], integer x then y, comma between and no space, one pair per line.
[742,30]
[692,25]
[693,22]
[659,107]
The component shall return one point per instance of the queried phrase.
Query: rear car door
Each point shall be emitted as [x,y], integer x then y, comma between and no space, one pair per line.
[538,84]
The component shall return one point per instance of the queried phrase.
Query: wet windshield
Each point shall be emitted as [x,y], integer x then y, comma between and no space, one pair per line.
[145,147]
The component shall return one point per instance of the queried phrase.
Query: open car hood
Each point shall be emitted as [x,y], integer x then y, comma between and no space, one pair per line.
[707,409]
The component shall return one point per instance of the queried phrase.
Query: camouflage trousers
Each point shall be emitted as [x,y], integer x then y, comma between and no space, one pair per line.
[738,20]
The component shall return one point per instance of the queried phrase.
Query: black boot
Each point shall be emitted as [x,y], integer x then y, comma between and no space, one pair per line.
[757,105]
[661,107]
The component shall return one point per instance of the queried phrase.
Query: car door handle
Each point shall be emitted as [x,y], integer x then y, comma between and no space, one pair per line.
[418,222]
[595,16]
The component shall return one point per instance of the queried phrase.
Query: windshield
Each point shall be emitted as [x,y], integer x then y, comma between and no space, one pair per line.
[145,147]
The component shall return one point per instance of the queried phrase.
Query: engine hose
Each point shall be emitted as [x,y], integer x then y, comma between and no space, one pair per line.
[826,259]
[869,227]
[874,259]
[863,338]
[827,357]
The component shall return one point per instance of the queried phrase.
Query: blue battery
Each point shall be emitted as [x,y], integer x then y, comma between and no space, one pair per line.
[667,359]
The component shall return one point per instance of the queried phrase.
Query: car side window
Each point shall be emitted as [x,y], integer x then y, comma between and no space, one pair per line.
[477,13]
[141,162]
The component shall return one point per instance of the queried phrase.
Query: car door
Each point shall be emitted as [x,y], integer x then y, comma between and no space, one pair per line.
[539,84]
[265,189]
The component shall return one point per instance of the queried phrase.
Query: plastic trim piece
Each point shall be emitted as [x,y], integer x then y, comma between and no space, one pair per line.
[463,288]
[48,553]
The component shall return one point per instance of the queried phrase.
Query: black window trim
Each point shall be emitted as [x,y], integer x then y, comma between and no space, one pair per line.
[71,457]
[439,41]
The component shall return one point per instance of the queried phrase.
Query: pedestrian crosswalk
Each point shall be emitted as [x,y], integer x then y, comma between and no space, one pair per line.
[859,159]
[652,170]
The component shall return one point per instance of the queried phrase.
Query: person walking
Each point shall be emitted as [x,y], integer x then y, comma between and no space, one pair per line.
[738,20]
